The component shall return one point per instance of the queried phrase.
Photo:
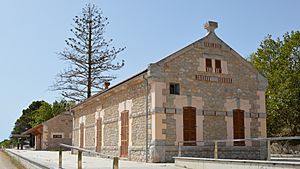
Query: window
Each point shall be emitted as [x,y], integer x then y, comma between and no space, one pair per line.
[208,64]
[57,136]
[174,88]
[218,66]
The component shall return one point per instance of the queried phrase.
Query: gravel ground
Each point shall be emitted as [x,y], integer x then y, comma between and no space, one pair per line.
[50,159]
[5,162]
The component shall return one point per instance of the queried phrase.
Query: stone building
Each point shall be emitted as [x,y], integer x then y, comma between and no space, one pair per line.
[203,92]
[50,134]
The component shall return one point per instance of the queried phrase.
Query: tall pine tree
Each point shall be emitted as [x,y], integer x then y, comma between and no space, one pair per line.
[90,56]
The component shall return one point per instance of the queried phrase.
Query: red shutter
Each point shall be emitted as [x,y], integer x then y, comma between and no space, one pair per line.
[208,64]
[99,134]
[124,134]
[238,127]
[218,66]
[189,125]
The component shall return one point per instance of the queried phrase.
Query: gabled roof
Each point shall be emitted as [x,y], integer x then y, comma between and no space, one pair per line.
[38,128]
[110,89]
[209,34]
[34,130]
[210,26]
[19,136]
[57,116]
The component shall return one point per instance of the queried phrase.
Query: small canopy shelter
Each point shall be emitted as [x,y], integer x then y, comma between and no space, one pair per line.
[37,131]
[21,138]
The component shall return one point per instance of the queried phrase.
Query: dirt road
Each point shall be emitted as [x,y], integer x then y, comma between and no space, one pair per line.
[5,162]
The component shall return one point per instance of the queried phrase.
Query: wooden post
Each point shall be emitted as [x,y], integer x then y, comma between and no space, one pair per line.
[216,150]
[116,163]
[60,158]
[269,150]
[18,144]
[79,162]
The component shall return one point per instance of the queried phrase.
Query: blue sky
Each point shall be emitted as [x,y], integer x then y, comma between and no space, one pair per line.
[33,31]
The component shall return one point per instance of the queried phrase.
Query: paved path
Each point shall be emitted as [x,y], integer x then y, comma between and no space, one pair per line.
[5,162]
[50,159]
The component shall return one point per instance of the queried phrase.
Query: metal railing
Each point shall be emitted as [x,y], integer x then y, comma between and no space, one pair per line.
[80,151]
[268,140]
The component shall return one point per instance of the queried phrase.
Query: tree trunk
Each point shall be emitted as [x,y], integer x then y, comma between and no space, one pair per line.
[89,85]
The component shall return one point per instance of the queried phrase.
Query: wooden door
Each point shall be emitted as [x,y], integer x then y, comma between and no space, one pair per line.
[81,135]
[189,125]
[99,134]
[238,127]
[124,134]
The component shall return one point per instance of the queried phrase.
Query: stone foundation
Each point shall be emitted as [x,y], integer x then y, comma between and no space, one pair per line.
[162,152]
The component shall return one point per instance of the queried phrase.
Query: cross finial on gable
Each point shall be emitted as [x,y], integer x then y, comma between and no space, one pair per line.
[210,26]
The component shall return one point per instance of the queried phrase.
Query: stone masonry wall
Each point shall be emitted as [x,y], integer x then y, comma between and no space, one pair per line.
[111,134]
[138,134]
[214,95]
[61,124]
[138,131]
[108,107]
[89,131]
[214,127]
[170,130]
[75,137]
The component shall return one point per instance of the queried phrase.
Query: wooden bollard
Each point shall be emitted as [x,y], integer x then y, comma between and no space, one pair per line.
[60,158]
[79,162]
[116,163]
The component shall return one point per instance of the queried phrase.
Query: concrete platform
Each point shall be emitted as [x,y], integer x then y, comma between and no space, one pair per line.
[49,159]
[206,163]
